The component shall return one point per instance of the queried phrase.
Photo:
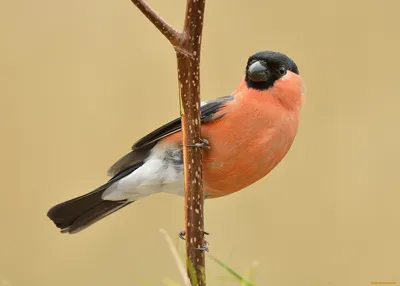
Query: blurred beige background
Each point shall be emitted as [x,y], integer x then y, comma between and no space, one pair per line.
[82,80]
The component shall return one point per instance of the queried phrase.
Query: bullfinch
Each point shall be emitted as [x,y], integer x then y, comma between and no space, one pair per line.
[248,132]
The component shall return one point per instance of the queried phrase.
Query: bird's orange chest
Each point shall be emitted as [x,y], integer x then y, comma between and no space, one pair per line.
[246,144]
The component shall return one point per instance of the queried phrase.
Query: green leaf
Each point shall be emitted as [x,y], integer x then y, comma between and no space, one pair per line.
[192,272]
[232,272]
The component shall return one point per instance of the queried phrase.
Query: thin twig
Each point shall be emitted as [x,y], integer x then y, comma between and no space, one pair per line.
[166,29]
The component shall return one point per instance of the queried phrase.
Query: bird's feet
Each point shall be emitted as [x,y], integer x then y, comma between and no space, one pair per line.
[204,144]
[204,248]
[183,233]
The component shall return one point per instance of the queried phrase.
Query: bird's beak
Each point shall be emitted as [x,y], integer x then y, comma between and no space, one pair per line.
[258,72]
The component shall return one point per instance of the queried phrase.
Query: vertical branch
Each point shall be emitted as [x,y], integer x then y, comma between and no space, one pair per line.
[189,79]
[187,45]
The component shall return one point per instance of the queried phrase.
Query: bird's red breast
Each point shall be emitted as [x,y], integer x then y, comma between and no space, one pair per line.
[255,133]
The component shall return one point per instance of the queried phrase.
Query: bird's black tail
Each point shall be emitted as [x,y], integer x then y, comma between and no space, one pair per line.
[79,213]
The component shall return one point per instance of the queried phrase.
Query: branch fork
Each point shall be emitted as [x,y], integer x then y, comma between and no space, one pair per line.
[179,40]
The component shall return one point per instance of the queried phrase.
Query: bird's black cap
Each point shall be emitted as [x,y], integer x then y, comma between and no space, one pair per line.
[264,68]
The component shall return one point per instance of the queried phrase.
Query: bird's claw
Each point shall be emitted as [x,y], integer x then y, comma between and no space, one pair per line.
[204,144]
[182,234]
[204,248]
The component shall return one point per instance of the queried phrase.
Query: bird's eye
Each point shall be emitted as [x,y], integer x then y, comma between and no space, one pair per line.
[282,70]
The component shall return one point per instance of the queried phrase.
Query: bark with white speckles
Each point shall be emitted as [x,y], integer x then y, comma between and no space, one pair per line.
[187,45]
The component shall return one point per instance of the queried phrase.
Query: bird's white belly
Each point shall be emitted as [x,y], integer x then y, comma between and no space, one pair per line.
[161,172]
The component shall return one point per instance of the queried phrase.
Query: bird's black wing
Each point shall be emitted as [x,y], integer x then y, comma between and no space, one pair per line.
[77,214]
[143,146]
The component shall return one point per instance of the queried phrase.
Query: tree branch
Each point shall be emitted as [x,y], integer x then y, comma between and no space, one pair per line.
[167,30]
[189,79]
[187,46]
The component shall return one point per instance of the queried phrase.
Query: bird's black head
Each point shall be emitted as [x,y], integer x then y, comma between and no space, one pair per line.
[264,68]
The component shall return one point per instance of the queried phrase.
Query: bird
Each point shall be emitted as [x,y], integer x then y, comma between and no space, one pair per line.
[247,133]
